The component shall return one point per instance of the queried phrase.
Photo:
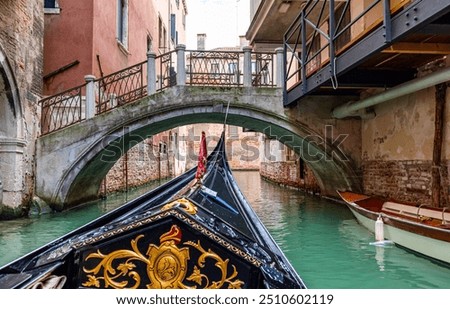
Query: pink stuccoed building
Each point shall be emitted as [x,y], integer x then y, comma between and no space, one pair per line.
[101,37]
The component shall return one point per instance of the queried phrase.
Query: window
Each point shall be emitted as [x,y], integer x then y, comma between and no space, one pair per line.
[149,43]
[162,148]
[233,72]
[254,68]
[343,19]
[173,29]
[232,67]
[302,168]
[233,132]
[51,7]
[122,22]
[50,4]
[162,34]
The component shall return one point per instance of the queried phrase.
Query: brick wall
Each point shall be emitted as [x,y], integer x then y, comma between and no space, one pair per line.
[142,164]
[403,180]
[21,37]
[288,173]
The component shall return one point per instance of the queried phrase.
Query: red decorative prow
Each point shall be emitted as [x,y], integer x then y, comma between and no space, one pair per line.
[201,166]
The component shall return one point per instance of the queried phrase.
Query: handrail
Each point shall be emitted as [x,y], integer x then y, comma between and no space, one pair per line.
[204,68]
[62,109]
[333,24]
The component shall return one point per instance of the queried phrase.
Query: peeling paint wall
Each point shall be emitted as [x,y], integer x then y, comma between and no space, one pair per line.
[398,147]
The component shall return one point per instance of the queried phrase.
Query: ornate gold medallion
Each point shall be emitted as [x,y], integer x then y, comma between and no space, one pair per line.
[167,263]
[166,266]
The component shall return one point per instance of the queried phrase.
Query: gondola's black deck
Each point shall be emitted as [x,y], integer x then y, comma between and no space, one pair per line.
[183,234]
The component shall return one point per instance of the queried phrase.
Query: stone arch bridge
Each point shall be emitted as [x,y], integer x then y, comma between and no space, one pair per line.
[86,129]
[71,162]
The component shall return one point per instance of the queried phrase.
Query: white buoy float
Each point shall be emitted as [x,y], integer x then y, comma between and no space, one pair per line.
[379,229]
[379,234]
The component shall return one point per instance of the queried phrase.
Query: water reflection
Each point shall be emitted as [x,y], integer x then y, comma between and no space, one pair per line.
[379,257]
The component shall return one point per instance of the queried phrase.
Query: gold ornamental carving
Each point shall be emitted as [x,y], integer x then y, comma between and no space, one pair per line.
[184,204]
[166,265]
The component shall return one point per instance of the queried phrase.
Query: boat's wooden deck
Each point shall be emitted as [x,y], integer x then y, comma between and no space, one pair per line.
[435,217]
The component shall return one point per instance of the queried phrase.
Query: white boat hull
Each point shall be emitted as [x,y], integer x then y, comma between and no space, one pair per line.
[434,248]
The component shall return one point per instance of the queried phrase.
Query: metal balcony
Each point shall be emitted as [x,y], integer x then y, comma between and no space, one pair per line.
[342,47]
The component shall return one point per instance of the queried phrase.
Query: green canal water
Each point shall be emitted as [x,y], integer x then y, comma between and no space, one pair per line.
[321,238]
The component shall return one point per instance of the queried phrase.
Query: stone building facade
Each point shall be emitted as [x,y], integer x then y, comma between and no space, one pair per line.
[21,59]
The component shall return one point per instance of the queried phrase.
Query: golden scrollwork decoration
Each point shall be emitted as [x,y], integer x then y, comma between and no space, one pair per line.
[166,266]
[184,204]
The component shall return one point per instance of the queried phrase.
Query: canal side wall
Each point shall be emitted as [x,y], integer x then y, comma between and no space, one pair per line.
[21,61]
[398,149]
[287,173]
[142,164]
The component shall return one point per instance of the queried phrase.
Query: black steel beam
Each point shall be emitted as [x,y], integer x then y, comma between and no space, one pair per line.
[436,29]
[375,78]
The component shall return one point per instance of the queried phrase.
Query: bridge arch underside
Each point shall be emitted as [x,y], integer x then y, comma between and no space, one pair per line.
[84,177]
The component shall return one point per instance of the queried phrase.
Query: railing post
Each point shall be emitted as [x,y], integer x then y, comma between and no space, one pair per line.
[181,64]
[387,21]
[90,96]
[151,73]
[280,67]
[247,66]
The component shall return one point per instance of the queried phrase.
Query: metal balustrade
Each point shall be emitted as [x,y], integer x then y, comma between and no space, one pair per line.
[62,109]
[178,67]
[119,88]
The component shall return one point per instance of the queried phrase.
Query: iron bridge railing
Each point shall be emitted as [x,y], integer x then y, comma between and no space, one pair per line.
[197,68]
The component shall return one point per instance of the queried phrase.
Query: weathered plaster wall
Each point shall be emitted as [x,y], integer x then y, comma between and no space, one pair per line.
[68,37]
[398,146]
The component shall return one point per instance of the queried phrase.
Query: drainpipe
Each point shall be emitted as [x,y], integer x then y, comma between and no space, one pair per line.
[354,108]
